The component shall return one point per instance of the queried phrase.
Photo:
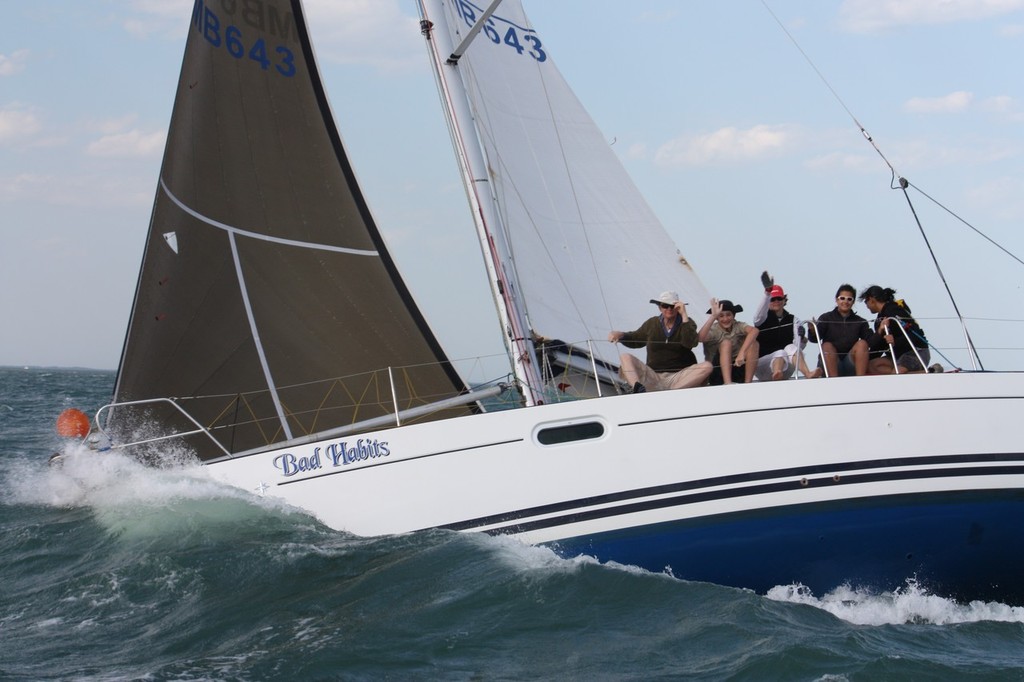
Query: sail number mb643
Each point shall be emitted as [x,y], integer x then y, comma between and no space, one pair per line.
[257,18]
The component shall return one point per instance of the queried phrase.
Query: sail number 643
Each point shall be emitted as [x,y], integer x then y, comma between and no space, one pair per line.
[231,38]
[501,31]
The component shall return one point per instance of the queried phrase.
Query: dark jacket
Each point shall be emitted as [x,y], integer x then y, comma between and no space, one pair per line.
[775,333]
[900,346]
[669,353]
[841,332]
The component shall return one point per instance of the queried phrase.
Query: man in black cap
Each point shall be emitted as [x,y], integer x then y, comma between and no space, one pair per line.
[729,344]
[669,338]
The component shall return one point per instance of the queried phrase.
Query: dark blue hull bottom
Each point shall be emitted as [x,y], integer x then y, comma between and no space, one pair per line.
[965,546]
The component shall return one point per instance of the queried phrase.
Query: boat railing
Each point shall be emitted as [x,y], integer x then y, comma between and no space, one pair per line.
[200,429]
[387,420]
[821,349]
[191,426]
[892,353]
[573,370]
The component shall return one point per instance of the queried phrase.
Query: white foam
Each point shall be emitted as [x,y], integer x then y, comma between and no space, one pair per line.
[128,496]
[910,604]
[520,556]
[538,558]
[84,477]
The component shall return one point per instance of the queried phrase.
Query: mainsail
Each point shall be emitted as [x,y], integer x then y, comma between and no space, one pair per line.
[267,303]
[588,250]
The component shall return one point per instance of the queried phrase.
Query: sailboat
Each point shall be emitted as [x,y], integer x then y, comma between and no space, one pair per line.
[273,338]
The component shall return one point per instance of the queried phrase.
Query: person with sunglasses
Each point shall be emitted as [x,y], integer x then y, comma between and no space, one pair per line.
[669,338]
[843,336]
[780,337]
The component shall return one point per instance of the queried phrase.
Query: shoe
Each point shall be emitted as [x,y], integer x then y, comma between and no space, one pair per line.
[639,388]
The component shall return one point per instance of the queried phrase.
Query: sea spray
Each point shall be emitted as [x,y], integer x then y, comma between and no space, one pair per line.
[909,604]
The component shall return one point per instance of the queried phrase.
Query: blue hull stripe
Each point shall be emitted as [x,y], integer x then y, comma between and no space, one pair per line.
[805,478]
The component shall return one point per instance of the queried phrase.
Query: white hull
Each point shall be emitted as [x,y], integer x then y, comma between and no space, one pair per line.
[688,457]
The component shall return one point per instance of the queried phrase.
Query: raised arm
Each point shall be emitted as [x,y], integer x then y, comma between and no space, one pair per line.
[716,308]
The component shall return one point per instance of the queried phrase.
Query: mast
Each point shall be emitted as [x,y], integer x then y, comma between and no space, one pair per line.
[491,231]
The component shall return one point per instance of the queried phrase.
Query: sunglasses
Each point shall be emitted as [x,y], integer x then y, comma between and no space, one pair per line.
[665,306]
[844,298]
[778,298]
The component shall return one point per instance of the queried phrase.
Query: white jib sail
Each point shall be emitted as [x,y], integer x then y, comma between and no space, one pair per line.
[588,250]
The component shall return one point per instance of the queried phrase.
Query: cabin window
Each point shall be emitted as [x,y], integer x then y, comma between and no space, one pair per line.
[568,433]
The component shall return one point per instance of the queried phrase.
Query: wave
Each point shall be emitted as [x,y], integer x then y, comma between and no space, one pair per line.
[129,498]
[911,604]
[181,504]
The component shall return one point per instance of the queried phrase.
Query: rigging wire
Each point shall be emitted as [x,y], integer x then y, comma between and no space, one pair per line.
[975,360]
[976,230]
[897,181]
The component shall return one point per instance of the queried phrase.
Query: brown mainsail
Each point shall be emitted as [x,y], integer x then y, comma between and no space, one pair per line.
[267,304]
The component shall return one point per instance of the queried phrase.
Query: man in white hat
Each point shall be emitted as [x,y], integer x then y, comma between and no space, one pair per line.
[670,338]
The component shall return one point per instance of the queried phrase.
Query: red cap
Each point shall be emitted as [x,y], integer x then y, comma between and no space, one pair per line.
[776,291]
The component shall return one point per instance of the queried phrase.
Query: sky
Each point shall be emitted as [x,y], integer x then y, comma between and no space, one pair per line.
[750,155]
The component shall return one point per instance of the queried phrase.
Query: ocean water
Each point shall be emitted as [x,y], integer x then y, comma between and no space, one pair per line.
[110,570]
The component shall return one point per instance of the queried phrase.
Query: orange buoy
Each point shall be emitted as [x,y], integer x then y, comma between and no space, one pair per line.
[72,423]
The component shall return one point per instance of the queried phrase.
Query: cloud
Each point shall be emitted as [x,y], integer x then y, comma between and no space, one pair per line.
[375,33]
[22,185]
[1001,195]
[1003,107]
[964,153]
[874,15]
[166,18]
[78,189]
[133,143]
[13,63]
[17,123]
[1000,104]
[951,103]
[725,145]
[1011,30]
[843,161]
[637,150]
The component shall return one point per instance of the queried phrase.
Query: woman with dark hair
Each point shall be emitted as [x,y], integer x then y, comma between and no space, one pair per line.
[843,335]
[888,341]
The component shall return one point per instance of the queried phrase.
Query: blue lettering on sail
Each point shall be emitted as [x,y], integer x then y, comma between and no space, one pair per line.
[338,454]
[241,44]
[502,31]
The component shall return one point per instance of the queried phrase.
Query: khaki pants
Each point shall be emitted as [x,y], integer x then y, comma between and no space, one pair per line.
[694,375]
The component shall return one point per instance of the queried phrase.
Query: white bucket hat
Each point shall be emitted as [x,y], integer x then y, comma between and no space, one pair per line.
[666,298]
